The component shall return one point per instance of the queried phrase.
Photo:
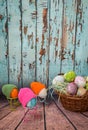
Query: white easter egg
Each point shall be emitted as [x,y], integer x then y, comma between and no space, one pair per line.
[58,79]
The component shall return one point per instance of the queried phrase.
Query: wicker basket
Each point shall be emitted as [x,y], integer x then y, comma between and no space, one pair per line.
[74,103]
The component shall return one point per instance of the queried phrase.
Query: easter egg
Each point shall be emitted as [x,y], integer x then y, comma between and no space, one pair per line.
[59,78]
[32,103]
[86,86]
[87,79]
[70,76]
[71,88]
[81,91]
[14,93]
[80,81]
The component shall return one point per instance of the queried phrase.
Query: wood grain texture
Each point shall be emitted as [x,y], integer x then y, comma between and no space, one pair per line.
[79,121]
[3,103]
[14,42]
[11,121]
[28,42]
[81,57]
[51,117]
[56,11]
[4,112]
[68,35]
[55,120]
[3,44]
[34,120]
[42,40]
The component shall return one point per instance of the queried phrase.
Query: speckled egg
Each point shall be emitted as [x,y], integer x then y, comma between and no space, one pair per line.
[80,81]
[81,91]
[71,88]
[70,76]
[57,79]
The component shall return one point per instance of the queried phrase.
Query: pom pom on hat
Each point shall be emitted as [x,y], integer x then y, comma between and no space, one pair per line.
[7,89]
[25,95]
[43,93]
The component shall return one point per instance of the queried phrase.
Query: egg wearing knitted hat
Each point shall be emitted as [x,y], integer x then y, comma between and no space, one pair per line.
[10,90]
[25,96]
[39,89]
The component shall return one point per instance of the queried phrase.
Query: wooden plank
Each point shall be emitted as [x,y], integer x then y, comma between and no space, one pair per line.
[80,121]
[85,113]
[3,102]
[4,111]
[55,120]
[81,57]
[14,15]
[29,37]
[42,41]
[56,11]
[3,44]
[11,121]
[68,35]
[33,120]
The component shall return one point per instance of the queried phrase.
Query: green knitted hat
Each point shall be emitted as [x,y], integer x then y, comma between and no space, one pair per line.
[7,89]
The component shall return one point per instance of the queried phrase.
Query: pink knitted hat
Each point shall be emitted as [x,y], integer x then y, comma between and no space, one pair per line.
[25,95]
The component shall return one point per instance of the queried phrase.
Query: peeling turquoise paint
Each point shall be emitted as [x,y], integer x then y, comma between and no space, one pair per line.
[14,41]
[81,50]
[3,44]
[41,38]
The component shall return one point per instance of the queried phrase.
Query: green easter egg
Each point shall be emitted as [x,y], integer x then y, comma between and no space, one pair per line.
[87,79]
[70,76]
[86,86]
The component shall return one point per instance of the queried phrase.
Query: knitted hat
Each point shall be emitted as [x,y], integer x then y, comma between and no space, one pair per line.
[39,89]
[25,95]
[7,89]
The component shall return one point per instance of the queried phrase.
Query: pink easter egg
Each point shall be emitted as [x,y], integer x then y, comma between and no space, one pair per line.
[72,88]
[80,81]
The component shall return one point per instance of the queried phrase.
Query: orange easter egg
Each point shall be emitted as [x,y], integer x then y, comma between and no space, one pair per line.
[14,93]
[37,87]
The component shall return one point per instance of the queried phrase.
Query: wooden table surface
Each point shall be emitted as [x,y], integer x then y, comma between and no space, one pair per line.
[45,117]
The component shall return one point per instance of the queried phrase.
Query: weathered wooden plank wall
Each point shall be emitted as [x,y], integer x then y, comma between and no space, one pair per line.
[3,43]
[14,41]
[41,38]
[28,41]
